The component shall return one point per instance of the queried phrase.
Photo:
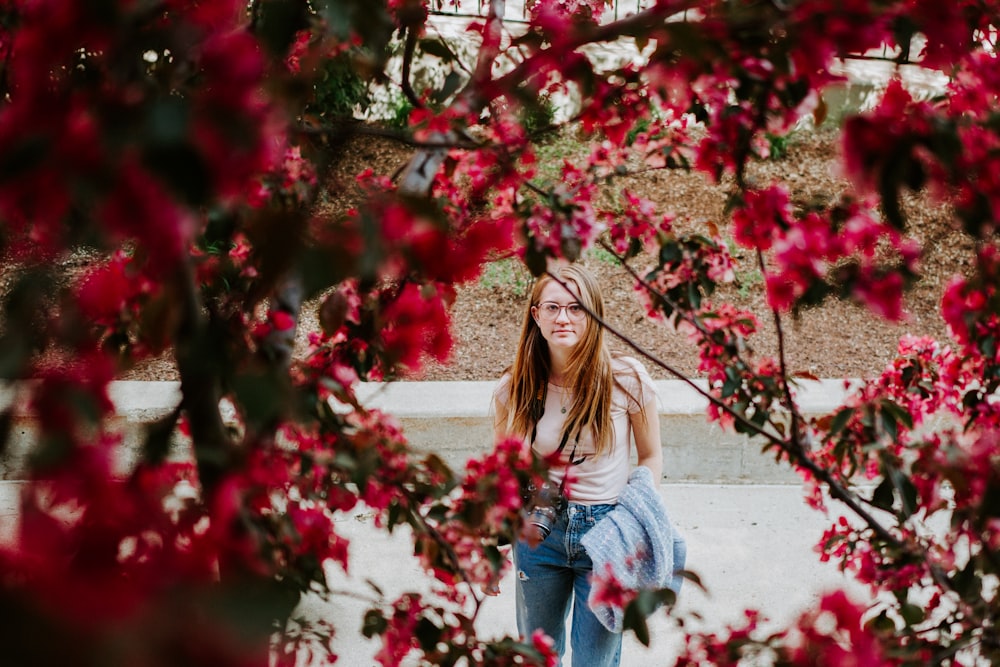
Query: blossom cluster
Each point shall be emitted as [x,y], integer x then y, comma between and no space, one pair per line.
[154,131]
[870,260]
[414,627]
[130,181]
[832,634]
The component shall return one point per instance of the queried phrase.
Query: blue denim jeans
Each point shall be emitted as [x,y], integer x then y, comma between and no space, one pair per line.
[552,578]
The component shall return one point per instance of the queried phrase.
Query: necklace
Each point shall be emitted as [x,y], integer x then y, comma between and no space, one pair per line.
[563,404]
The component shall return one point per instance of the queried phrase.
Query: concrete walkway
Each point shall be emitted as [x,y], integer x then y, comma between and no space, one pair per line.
[750,536]
[752,546]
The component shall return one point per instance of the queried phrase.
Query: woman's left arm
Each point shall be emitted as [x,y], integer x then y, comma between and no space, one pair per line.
[646,431]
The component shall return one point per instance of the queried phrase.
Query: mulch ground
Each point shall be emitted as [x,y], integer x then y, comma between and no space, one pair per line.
[835,339]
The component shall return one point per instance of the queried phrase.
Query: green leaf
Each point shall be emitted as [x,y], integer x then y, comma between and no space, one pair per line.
[909,494]
[428,634]
[159,434]
[988,346]
[635,247]
[395,511]
[694,296]
[904,29]
[670,253]
[881,624]
[693,578]
[889,425]
[967,582]
[901,415]
[374,623]
[911,613]
[536,260]
[448,88]
[729,387]
[437,48]
[884,496]
[635,621]
[991,501]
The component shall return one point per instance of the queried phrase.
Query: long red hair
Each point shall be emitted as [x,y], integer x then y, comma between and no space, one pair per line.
[588,374]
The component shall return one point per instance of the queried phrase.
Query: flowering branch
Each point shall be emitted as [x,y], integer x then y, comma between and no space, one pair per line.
[796,454]
[418,175]
[789,400]
[408,50]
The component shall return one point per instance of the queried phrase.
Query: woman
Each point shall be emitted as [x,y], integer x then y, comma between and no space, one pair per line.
[575,403]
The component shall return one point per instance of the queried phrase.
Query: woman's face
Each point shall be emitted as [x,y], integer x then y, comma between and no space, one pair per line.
[559,316]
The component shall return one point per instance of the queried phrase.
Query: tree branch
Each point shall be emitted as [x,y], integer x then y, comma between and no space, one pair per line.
[788,400]
[797,456]
[200,388]
[409,47]
[419,173]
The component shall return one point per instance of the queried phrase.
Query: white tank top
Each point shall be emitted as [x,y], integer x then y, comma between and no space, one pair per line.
[593,480]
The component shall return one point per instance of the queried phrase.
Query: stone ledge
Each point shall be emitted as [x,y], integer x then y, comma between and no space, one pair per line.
[453,419]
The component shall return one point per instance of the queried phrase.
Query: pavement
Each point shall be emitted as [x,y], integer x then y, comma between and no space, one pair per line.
[750,536]
[751,545]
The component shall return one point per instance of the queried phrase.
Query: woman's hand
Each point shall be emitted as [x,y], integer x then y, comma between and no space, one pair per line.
[492,588]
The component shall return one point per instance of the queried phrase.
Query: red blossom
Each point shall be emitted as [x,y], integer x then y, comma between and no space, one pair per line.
[609,591]
[316,535]
[763,213]
[834,635]
[882,293]
[89,135]
[416,322]
[106,291]
[636,223]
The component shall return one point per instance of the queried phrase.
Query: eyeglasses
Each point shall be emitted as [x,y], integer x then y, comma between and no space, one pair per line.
[549,310]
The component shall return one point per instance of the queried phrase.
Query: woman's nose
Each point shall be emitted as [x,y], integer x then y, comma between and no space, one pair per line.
[563,314]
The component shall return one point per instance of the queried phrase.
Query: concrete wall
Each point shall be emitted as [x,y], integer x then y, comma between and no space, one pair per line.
[453,419]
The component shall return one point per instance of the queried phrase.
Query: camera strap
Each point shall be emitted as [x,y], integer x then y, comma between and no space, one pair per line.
[537,412]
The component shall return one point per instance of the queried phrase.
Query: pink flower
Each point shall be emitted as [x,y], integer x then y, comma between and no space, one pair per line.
[416,322]
[763,213]
[608,591]
[882,293]
[105,291]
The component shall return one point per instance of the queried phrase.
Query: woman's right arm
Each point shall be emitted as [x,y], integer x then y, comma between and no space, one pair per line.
[501,397]
[492,588]
[499,419]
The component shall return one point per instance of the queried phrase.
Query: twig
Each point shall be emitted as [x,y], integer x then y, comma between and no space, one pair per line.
[836,490]
[395,135]
[782,361]
[690,319]
[409,46]
[445,546]
[419,173]
[200,387]
[670,369]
